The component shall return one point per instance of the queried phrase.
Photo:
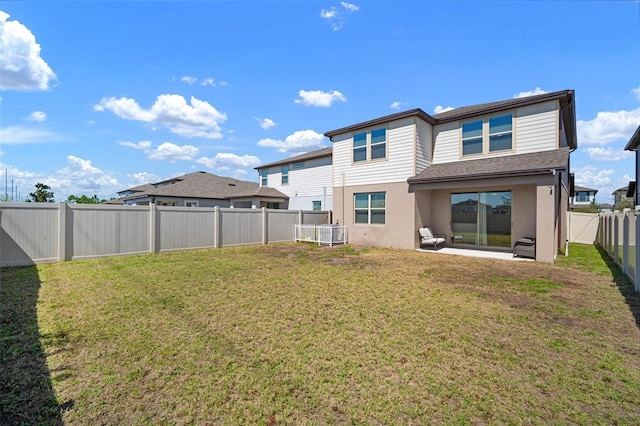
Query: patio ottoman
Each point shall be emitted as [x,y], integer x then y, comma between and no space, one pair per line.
[525,247]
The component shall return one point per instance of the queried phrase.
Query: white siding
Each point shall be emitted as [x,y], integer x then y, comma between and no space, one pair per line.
[537,127]
[397,167]
[308,184]
[424,145]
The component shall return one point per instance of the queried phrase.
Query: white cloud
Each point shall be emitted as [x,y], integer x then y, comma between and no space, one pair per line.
[143,177]
[198,120]
[298,142]
[350,6]
[397,105]
[608,127]
[39,116]
[636,92]
[536,91]
[335,15]
[21,66]
[188,79]
[266,123]
[319,98]
[168,151]
[228,161]
[608,154]
[142,145]
[18,135]
[208,82]
[81,177]
[439,108]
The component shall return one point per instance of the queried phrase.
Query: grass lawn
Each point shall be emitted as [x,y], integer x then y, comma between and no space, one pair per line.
[300,334]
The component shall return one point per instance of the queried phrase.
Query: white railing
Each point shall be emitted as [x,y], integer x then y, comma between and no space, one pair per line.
[322,234]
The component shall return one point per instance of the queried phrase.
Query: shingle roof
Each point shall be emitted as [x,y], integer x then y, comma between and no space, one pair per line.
[566,98]
[204,185]
[634,142]
[319,153]
[584,189]
[509,165]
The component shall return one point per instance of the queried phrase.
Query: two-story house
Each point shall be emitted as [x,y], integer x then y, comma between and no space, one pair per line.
[487,174]
[304,178]
[582,197]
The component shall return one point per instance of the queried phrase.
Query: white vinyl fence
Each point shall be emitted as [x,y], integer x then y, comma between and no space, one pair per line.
[322,234]
[46,232]
[617,234]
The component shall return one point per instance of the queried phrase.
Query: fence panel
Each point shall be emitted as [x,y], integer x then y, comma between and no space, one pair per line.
[631,249]
[98,230]
[583,227]
[183,228]
[315,217]
[281,225]
[240,227]
[28,235]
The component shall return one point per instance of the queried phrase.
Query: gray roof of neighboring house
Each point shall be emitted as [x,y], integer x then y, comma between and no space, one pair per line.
[584,189]
[509,165]
[319,153]
[634,142]
[566,98]
[203,185]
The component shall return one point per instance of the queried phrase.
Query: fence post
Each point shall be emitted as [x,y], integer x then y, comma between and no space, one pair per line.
[300,217]
[62,232]
[216,227]
[625,243]
[153,222]
[264,226]
[616,225]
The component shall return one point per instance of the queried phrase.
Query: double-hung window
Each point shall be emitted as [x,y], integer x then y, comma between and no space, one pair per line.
[472,138]
[500,133]
[285,175]
[370,207]
[360,147]
[370,145]
[263,177]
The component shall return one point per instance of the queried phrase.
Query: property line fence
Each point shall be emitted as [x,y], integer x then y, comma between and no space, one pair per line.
[33,233]
[322,234]
[618,233]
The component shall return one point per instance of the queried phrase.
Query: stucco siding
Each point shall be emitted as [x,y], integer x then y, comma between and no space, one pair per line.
[398,166]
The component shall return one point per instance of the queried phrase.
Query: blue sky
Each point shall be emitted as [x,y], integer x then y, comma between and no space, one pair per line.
[97,97]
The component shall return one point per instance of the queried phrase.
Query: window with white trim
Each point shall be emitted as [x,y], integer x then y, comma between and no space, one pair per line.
[317,205]
[500,133]
[370,207]
[370,145]
[263,177]
[285,175]
[191,203]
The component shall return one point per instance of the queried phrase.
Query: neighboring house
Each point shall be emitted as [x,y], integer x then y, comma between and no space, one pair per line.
[583,197]
[202,189]
[621,195]
[304,178]
[486,174]
[634,145]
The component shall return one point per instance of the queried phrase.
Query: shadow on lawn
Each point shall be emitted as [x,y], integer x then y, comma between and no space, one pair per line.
[26,391]
[624,284]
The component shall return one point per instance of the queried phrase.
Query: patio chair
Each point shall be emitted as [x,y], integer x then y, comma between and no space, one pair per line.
[525,247]
[428,238]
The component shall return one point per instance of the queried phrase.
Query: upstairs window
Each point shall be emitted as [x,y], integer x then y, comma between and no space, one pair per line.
[500,133]
[370,145]
[317,205]
[378,143]
[263,177]
[285,175]
[360,147]
[298,165]
[472,138]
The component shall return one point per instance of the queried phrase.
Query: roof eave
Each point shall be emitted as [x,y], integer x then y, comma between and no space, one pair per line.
[634,142]
[536,172]
[417,112]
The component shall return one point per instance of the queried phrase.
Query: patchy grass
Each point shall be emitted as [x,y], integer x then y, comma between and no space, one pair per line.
[301,334]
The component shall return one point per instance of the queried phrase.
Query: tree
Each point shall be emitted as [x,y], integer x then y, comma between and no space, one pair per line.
[83,199]
[42,194]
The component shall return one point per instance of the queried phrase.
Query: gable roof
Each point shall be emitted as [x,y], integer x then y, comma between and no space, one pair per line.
[634,142]
[584,189]
[510,165]
[203,185]
[565,97]
[319,153]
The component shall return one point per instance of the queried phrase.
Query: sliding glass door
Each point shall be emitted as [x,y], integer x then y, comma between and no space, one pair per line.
[481,218]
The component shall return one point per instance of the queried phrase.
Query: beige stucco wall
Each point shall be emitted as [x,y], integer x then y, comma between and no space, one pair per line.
[400,229]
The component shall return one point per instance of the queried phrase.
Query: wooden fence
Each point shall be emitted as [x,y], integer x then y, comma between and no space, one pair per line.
[33,233]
